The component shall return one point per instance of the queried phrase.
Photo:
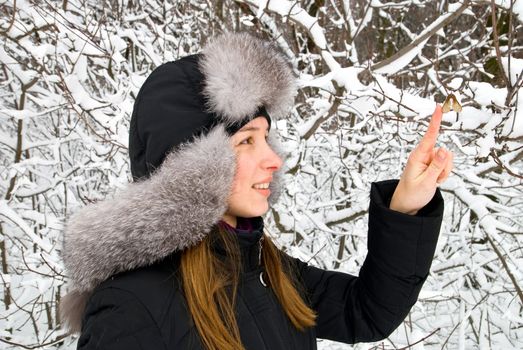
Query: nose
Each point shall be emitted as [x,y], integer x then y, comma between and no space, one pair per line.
[271,160]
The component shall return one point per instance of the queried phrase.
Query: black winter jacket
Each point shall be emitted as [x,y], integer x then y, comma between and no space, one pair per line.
[145,308]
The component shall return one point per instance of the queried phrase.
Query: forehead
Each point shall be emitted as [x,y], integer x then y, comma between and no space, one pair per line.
[258,123]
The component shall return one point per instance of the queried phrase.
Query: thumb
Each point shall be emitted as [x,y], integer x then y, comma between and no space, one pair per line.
[437,166]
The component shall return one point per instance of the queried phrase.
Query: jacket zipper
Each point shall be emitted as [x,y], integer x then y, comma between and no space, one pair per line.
[260,243]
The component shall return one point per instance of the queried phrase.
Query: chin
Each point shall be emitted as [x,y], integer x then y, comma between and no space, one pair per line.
[255,207]
[251,213]
[261,211]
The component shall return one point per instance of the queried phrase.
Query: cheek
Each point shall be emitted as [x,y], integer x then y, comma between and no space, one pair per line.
[243,175]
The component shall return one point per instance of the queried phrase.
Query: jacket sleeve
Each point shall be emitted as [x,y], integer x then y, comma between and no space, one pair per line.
[400,250]
[115,319]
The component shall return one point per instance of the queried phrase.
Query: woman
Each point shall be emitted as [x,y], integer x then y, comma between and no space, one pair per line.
[179,259]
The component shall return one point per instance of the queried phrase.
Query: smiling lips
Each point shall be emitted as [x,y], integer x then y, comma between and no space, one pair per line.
[263,188]
[265,191]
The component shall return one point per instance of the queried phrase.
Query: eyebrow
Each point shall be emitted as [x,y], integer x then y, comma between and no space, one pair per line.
[251,128]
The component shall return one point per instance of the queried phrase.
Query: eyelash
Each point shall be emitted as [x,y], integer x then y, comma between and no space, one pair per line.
[250,138]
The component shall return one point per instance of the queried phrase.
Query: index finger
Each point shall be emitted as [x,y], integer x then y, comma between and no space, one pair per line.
[428,141]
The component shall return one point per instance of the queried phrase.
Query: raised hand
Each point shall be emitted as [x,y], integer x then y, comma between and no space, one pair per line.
[424,171]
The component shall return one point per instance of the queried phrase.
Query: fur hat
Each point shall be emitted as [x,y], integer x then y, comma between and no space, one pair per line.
[181,157]
[235,78]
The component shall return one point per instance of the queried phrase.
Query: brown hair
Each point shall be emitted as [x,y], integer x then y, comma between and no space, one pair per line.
[210,287]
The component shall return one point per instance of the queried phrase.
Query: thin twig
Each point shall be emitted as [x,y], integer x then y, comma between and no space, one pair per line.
[505,266]
[56,341]
[421,38]
[496,43]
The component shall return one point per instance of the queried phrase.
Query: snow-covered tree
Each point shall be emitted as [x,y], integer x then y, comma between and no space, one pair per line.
[370,73]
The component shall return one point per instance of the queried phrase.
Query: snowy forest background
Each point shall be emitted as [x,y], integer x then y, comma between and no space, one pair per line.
[370,74]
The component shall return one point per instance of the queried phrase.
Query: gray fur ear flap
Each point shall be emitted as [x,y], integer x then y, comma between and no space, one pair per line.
[277,185]
[242,73]
[172,210]
[71,310]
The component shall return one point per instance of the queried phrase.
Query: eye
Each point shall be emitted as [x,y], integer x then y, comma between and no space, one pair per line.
[246,141]
[250,140]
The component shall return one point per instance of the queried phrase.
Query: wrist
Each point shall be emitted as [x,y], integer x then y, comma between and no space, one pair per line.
[396,205]
[404,211]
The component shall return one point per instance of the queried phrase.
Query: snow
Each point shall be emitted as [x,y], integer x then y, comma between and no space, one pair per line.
[516,68]
[11,64]
[405,59]
[517,7]
[75,121]
[9,214]
[485,94]
[402,61]
[514,126]
[470,118]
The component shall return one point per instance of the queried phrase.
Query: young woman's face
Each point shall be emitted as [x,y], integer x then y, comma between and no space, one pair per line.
[256,162]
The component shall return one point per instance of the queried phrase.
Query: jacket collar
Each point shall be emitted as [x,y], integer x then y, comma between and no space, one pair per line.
[248,233]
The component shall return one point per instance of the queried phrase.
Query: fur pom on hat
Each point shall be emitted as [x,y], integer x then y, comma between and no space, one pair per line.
[180,150]
[243,73]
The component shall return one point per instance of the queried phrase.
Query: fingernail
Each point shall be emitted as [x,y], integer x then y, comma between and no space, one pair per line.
[441,154]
